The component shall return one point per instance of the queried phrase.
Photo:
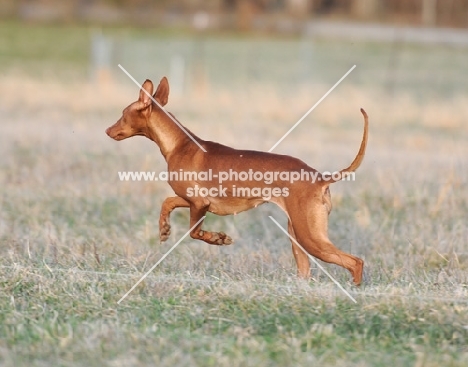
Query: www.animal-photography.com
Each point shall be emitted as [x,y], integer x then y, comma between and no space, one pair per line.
[234,183]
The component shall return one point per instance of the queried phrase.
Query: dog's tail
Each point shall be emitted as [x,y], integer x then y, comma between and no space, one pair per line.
[338,176]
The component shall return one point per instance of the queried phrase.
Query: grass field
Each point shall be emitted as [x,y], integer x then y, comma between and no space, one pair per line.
[74,239]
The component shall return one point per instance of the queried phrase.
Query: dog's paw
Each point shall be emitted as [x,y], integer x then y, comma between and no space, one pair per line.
[220,239]
[164,232]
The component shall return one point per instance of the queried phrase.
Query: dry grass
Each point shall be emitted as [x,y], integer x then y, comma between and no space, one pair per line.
[73,239]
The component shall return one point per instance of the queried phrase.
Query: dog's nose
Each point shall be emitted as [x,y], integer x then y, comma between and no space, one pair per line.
[107,131]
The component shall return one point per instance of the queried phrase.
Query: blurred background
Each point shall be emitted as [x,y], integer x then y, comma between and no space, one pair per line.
[240,14]
[242,73]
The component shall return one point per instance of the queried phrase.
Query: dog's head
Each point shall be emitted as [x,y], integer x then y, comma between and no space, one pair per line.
[135,117]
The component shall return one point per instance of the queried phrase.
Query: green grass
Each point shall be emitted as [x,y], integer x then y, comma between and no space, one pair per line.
[59,51]
[44,51]
[217,323]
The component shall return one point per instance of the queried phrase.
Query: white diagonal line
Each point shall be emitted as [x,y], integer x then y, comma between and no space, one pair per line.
[312,108]
[160,260]
[312,258]
[162,108]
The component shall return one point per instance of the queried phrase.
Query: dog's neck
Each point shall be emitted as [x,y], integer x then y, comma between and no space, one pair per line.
[165,133]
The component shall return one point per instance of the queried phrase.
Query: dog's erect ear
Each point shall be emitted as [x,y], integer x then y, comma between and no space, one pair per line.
[162,93]
[145,97]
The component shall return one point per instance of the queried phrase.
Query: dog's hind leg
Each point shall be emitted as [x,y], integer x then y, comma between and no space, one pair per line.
[310,229]
[302,260]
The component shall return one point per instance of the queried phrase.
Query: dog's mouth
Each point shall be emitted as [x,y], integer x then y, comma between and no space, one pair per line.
[118,136]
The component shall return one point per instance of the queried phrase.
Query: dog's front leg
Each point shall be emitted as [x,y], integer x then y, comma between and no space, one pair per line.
[167,207]
[197,210]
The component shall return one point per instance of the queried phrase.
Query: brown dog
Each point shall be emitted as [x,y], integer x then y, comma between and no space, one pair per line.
[307,204]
